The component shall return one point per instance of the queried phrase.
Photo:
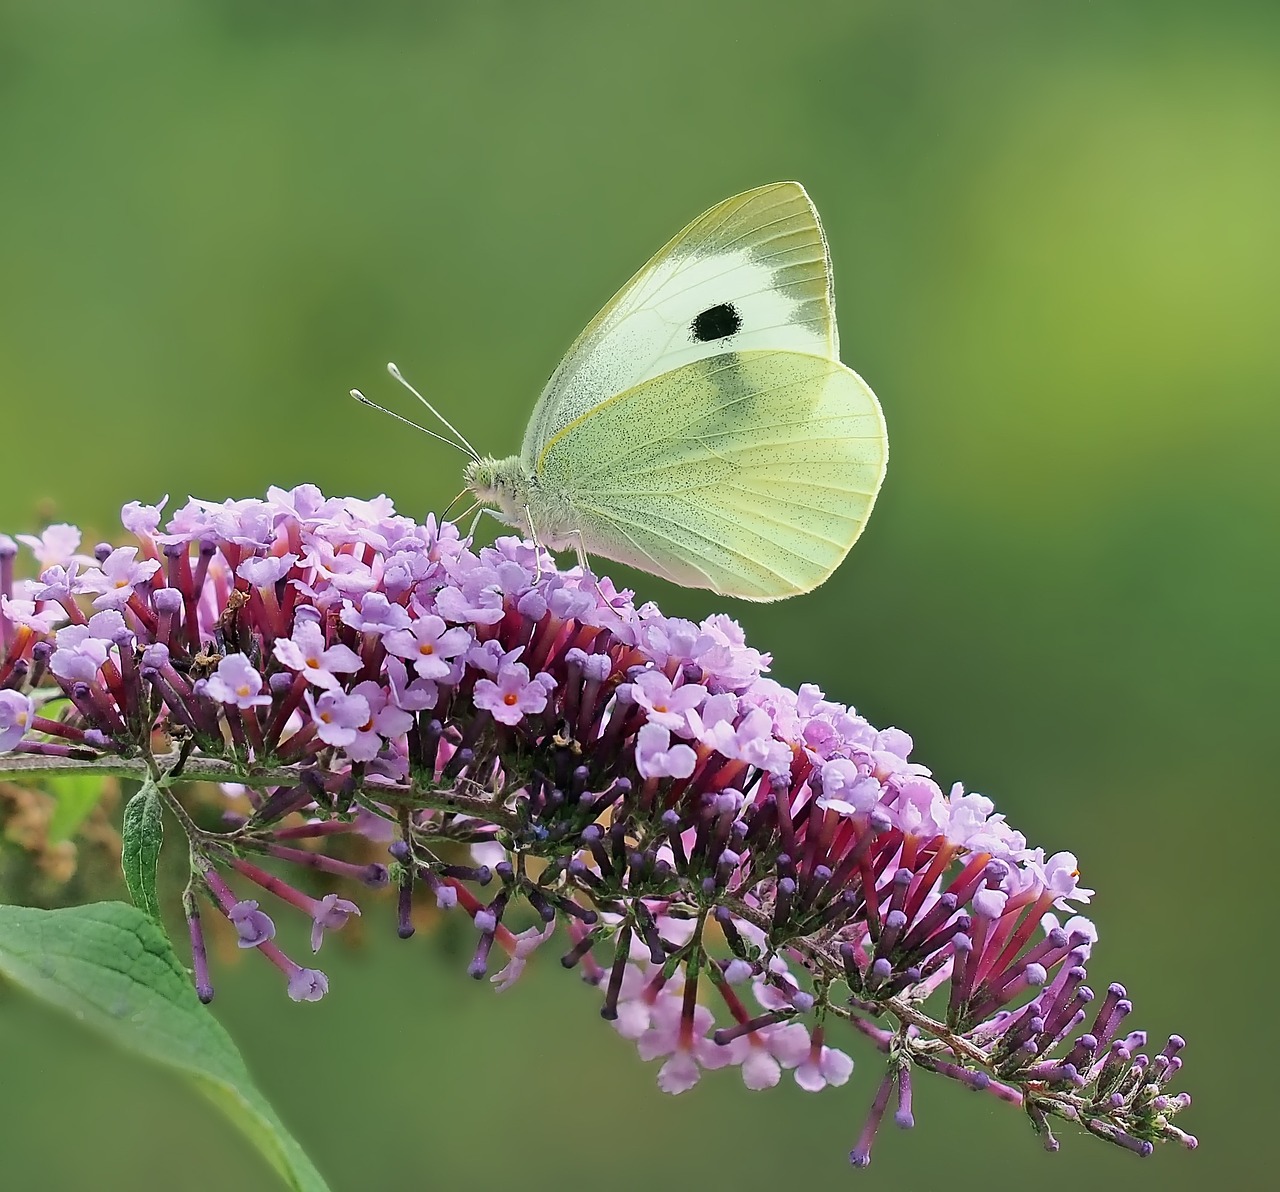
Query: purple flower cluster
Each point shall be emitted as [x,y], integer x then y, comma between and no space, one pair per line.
[740,867]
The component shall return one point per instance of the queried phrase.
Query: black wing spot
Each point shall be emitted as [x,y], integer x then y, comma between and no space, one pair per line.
[716,322]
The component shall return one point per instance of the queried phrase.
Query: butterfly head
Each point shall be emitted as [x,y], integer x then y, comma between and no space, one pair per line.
[500,482]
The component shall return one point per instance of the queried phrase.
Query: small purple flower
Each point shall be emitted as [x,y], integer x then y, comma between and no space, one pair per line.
[16,711]
[783,1045]
[376,614]
[386,720]
[990,904]
[718,709]
[307,985]
[404,570]
[78,653]
[331,914]
[972,820]
[533,604]
[415,696]
[26,612]
[847,789]
[521,948]
[751,741]
[109,625]
[571,602]
[141,519]
[1060,875]
[656,757]
[59,583]
[920,808]
[490,656]
[56,547]
[685,1042]
[667,705]
[119,574]
[337,573]
[895,741]
[508,548]
[823,1066]
[305,651]
[248,522]
[366,515]
[724,656]
[338,717]
[237,682]
[263,573]
[305,504]
[195,520]
[253,927]
[513,696]
[1076,925]
[514,579]
[596,668]
[477,598]
[669,639]
[430,645]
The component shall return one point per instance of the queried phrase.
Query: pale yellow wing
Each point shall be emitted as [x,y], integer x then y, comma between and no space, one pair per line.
[751,473]
[751,274]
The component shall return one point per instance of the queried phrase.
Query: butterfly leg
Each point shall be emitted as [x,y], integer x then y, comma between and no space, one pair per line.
[585,563]
[581,552]
[538,548]
[475,521]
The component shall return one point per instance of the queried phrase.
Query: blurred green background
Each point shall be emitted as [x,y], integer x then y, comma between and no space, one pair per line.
[1054,230]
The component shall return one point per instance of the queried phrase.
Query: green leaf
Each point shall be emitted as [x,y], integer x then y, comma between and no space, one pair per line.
[143,835]
[109,965]
[76,795]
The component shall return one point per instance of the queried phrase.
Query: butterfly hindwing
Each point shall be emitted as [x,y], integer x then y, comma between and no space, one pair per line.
[751,274]
[750,473]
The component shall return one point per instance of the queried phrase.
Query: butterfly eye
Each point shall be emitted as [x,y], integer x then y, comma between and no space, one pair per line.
[716,322]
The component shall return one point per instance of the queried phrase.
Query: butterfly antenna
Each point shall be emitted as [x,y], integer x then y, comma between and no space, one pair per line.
[395,372]
[364,401]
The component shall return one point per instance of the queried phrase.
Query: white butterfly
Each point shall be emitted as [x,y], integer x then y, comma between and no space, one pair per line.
[702,427]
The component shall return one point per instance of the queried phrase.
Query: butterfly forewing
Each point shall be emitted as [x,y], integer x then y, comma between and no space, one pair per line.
[751,473]
[751,274]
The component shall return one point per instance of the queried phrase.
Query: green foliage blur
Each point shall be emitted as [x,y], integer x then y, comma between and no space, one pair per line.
[1054,229]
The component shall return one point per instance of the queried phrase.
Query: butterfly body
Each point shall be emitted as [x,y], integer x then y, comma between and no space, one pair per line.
[518,494]
[702,427]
